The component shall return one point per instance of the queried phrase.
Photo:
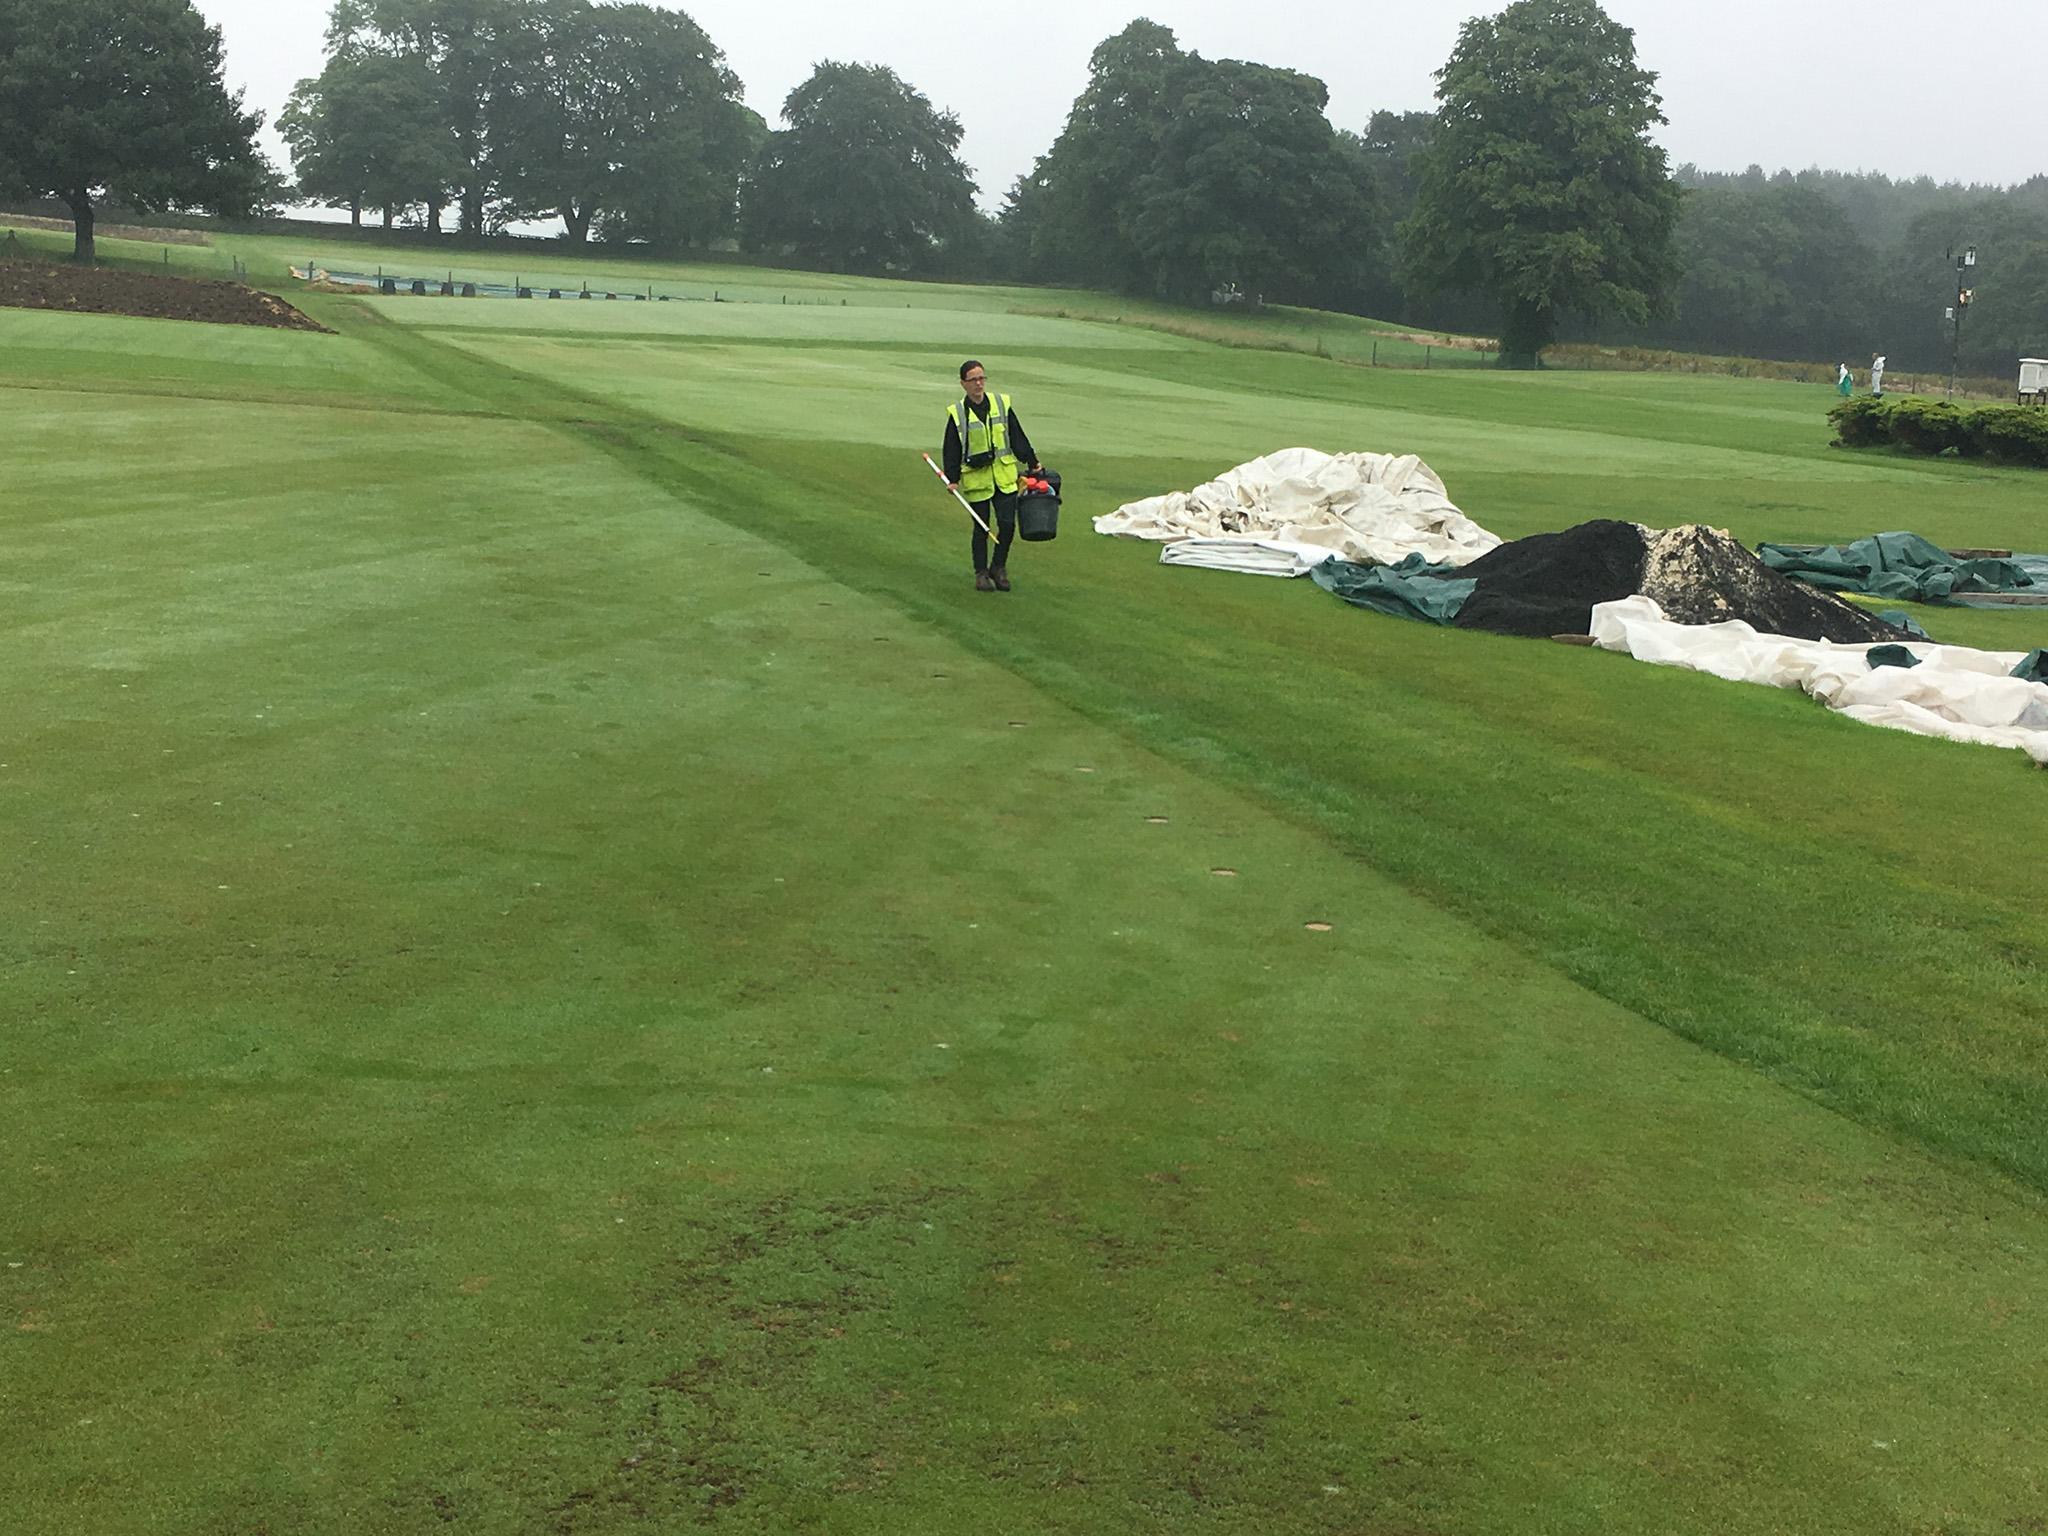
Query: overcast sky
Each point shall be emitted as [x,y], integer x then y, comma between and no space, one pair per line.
[1896,86]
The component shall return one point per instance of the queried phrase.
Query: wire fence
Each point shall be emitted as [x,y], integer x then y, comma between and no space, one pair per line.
[448,285]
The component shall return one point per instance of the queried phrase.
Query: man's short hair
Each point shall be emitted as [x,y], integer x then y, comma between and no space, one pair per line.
[971,364]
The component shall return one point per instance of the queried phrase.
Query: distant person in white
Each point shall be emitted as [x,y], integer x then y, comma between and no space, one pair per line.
[1877,374]
[1845,383]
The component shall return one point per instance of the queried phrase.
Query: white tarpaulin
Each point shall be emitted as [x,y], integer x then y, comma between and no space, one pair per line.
[1955,692]
[1256,557]
[1374,508]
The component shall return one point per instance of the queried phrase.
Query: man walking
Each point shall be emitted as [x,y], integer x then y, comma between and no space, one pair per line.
[985,443]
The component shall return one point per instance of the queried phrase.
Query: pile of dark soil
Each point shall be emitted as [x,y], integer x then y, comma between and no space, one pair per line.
[1699,575]
[1547,585]
[109,291]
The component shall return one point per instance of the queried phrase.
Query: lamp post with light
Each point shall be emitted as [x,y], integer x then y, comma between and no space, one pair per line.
[1966,277]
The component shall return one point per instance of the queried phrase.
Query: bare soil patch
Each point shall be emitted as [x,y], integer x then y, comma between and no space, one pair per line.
[110,291]
[105,231]
[1448,343]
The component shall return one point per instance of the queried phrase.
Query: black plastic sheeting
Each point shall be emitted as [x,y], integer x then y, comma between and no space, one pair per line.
[1548,584]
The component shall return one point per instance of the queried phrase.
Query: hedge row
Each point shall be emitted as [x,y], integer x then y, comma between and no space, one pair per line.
[2011,434]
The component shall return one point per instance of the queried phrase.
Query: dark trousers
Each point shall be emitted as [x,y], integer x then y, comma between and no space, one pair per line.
[1000,513]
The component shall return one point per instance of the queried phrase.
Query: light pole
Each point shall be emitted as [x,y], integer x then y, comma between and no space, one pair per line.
[1966,277]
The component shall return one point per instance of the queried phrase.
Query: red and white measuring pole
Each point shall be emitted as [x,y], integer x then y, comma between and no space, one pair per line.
[984,527]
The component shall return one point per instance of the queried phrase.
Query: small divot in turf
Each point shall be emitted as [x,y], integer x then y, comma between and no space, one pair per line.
[1230,874]
[1077,770]
[1017,725]
[1318,927]
[1155,821]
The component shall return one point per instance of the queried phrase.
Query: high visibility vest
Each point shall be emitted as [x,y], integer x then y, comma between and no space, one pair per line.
[978,437]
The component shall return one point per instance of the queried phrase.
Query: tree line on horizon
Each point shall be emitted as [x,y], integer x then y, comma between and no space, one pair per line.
[1533,204]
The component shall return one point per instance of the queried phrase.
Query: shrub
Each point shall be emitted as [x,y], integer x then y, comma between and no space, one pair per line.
[1929,426]
[2011,433]
[1861,422]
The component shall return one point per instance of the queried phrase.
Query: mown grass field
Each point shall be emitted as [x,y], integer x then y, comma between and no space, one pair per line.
[563,971]
[1347,338]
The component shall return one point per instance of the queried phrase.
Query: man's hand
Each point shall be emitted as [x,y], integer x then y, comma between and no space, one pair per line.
[952,485]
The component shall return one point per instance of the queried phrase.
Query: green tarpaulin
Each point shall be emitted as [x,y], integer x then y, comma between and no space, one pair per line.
[1898,618]
[1896,565]
[1414,589]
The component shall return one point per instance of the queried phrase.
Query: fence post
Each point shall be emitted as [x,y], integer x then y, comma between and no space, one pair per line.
[1425,356]
[1375,354]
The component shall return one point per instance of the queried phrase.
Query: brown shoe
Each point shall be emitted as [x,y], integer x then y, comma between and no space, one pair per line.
[1001,578]
[983,582]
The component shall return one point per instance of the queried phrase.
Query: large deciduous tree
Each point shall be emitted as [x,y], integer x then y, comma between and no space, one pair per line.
[1250,186]
[1176,175]
[1386,156]
[1778,271]
[865,177]
[122,99]
[1542,185]
[1071,214]
[372,131]
[626,114]
[682,176]
[467,45]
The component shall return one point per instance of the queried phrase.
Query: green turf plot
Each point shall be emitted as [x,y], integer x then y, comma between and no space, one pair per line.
[178,259]
[1649,856]
[603,269]
[269,259]
[867,325]
[45,349]
[565,972]
[1192,406]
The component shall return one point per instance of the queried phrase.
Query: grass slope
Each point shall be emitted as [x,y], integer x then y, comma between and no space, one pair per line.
[566,973]
[1589,811]
[269,258]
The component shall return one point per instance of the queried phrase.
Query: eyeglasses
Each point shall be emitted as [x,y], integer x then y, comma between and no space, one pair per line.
[975,378]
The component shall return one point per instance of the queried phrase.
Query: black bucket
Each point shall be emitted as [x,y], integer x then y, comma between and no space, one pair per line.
[1038,516]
